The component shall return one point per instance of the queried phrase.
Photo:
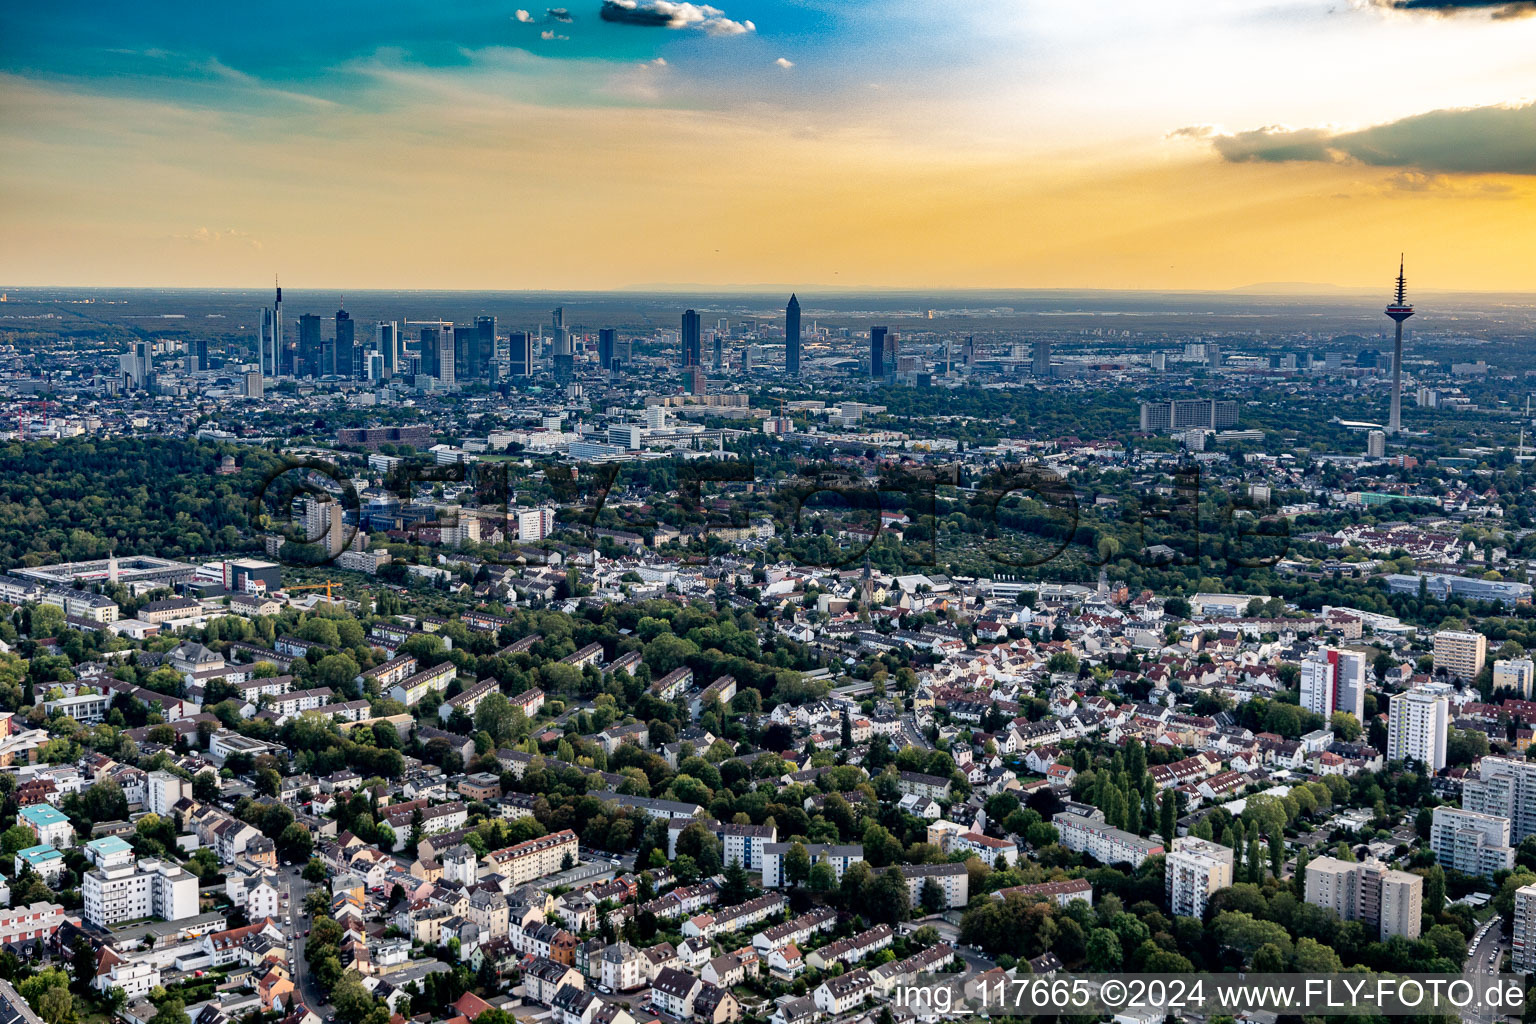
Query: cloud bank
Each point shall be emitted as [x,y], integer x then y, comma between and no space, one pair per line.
[1494,8]
[1475,140]
[673,14]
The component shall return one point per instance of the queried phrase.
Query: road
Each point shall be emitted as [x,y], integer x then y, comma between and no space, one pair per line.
[910,736]
[297,923]
[1485,953]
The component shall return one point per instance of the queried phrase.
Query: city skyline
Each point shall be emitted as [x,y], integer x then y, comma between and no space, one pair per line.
[217,146]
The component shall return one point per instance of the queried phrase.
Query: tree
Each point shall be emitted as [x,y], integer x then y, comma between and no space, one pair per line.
[932,896]
[887,898]
[1167,816]
[797,864]
[1434,891]
[15,839]
[823,877]
[172,1011]
[1345,726]
[314,871]
[1104,952]
[736,888]
[56,1005]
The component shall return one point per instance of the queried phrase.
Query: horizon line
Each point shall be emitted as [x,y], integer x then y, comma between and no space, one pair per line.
[1300,289]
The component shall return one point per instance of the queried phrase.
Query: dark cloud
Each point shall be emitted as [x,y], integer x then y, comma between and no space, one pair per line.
[1476,140]
[1495,8]
[673,14]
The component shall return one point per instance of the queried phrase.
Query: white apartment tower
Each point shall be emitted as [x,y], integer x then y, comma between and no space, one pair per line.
[1505,787]
[1195,869]
[1418,725]
[1334,680]
[1470,842]
[1523,955]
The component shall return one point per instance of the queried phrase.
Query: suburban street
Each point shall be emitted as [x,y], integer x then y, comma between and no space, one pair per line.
[297,923]
[1484,954]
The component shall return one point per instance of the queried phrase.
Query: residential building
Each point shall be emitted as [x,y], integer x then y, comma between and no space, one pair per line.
[1523,951]
[1333,680]
[1390,901]
[49,824]
[1515,674]
[1418,727]
[839,856]
[1460,654]
[1089,834]
[1506,787]
[120,889]
[952,879]
[1469,842]
[1195,869]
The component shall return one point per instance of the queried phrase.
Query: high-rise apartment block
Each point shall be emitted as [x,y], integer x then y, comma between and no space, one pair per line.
[1195,869]
[1181,414]
[1470,842]
[1333,680]
[119,889]
[1505,787]
[1390,901]
[1514,674]
[1523,953]
[1418,727]
[1460,654]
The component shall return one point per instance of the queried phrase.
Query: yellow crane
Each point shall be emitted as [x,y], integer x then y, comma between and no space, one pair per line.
[326,586]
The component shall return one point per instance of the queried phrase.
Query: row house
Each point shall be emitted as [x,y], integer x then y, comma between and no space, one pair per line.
[852,949]
[839,995]
[798,930]
[726,920]
[543,978]
[469,699]
[296,702]
[410,690]
[536,858]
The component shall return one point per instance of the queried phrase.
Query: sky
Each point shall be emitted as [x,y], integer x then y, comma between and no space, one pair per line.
[1175,145]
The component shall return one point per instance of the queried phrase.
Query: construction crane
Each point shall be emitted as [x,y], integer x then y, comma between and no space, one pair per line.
[326,586]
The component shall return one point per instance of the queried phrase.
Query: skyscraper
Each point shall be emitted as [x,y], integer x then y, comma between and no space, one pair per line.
[564,358]
[270,342]
[693,352]
[519,354]
[1040,361]
[466,351]
[447,369]
[389,347]
[346,338]
[792,337]
[310,347]
[485,354]
[1399,311]
[877,352]
[605,345]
